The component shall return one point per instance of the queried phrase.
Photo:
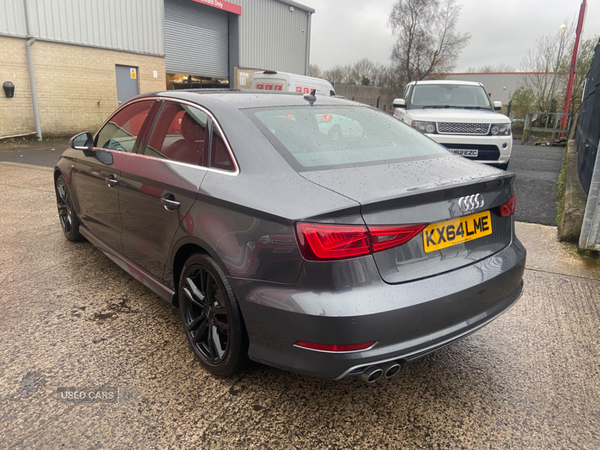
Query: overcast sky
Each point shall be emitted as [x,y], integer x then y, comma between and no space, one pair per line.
[344,31]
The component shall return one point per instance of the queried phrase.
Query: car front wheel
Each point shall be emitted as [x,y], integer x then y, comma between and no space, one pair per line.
[211,317]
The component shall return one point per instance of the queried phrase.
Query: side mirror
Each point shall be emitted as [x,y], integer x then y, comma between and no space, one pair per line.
[497,106]
[399,103]
[83,141]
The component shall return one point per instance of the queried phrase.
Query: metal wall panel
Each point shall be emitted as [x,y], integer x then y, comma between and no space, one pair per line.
[12,18]
[128,25]
[273,37]
[495,83]
[196,39]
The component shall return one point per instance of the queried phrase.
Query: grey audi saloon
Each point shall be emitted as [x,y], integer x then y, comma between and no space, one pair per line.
[313,234]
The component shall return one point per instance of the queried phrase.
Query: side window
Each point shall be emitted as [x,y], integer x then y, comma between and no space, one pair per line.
[179,134]
[405,94]
[332,93]
[219,155]
[122,132]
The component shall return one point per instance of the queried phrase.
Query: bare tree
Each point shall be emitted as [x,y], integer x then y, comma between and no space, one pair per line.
[584,62]
[337,74]
[541,62]
[426,37]
[364,72]
[340,74]
[361,72]
[314,71]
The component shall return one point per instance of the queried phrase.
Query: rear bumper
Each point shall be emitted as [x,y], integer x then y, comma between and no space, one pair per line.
[406,320]
[492,149]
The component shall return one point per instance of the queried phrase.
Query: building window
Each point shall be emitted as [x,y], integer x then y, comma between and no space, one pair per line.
[181,81]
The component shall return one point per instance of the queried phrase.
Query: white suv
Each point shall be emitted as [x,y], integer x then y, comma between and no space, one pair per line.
[460,116]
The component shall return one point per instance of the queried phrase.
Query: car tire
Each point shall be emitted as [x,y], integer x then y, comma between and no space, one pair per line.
[66,214]
[211,317]
[503,166]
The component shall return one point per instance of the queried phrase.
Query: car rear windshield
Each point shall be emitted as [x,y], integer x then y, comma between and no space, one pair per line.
[449,96]
[327,137]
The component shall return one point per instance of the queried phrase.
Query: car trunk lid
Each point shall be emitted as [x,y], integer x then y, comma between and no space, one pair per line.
[428,191]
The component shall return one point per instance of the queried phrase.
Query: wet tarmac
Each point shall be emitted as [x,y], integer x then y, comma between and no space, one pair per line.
[72,319]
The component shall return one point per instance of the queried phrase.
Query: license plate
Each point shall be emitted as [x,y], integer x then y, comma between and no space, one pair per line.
[456,231]
[463,152]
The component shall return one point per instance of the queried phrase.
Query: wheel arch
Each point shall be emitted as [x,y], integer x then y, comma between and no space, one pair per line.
[65,172]
[185,249]
[57,173]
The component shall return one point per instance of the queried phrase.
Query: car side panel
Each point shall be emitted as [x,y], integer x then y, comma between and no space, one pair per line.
[246,243]
[97,201]
[148,227]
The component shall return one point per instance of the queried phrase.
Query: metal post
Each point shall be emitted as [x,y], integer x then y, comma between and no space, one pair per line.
[36,112]
[30,41]
[574,60]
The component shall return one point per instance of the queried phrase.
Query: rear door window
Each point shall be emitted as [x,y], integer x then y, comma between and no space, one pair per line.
[123,132]
[219,154]
[179,134]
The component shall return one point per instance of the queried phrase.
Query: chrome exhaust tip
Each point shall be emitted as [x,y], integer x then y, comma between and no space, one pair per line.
[392,369]
[371,374]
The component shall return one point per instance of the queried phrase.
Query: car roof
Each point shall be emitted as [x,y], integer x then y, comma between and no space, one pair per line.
[471,83]
[245,100]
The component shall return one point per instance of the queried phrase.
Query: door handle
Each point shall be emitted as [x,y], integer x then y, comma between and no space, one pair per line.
[111,181]
[170,203]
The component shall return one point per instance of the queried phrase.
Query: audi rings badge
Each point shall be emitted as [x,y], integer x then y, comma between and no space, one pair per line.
[470,202]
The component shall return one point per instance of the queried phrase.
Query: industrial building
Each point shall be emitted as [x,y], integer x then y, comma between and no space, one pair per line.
[499,85]
[72,62]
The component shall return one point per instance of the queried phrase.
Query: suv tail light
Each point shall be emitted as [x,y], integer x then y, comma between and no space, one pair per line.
[319,242]
[508,208]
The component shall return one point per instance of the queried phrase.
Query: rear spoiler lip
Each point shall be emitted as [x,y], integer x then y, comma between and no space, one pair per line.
[440,192]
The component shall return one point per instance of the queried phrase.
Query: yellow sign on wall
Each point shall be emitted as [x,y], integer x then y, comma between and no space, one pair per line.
[133,73]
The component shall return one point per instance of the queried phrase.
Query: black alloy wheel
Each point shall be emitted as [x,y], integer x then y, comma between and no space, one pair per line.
[211,317]
[68,219]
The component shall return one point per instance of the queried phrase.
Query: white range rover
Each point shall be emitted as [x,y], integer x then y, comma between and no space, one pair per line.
[460,116]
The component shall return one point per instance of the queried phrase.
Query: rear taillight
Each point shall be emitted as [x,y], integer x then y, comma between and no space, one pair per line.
[508,208]
[319,242]
[383,238]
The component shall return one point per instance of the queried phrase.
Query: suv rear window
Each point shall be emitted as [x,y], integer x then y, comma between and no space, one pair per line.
[326,137]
